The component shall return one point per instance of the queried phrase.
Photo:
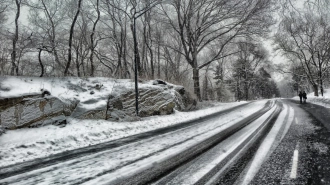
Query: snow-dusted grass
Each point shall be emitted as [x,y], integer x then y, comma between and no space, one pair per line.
[323,101]
[27,144]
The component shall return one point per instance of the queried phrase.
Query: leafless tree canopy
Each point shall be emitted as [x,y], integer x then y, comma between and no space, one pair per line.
[176,40]
[304,37]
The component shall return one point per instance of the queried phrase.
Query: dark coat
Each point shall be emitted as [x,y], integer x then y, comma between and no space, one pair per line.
[304,95]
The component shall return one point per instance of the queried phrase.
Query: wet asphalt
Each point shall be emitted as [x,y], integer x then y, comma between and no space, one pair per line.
[309,134]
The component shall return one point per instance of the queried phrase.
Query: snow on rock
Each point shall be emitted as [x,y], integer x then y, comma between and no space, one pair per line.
[30,110]
[32,101]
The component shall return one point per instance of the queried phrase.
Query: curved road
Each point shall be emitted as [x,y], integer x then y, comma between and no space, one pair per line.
[282,143]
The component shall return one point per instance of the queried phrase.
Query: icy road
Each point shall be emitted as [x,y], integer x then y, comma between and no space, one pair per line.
[262,142]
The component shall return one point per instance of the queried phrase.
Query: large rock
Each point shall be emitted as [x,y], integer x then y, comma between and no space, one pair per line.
[184,100]
[91,109]
[31,110]
[158,101]
[152,101]
[156,98]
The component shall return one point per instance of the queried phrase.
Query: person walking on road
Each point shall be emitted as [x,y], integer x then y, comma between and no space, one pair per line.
[304,95]
[300,96]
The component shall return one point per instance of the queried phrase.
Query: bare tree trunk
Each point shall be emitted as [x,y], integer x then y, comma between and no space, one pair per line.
[238,89]
[316,90]
[137,65]
[127,72]
[246,83]
[53,35]
[144,56]
[152,63]
[70,39]
[92,37]
[15,39]
[151,55]
[205,88]
[136,49]
[246,91]
[77,62]
[40,62]
[197,90]
[158,53]
[321,79]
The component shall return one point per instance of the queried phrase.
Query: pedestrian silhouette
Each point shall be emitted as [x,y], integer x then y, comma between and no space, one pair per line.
[300,96]
[304,95]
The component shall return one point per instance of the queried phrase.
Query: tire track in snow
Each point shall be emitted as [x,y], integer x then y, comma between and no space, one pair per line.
[77,153]
[284,122]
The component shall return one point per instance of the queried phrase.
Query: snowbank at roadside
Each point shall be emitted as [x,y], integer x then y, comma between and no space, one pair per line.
[27,144]
[321,100]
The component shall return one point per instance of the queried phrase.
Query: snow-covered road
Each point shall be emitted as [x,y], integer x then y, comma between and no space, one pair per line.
[119,163]
[17,146]
[199,170]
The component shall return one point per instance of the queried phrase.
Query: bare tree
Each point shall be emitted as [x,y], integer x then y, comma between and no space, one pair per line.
[304,37]
[70,38]
[81,45]
[117,23]
[3,9]
[46,17]
[250,58]
[92,44]
[15,66]
[202,23]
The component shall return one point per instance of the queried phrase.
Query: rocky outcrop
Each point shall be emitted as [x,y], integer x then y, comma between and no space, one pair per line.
[162,99]
[32,110]
[155,98]
[152,101]
[184,100]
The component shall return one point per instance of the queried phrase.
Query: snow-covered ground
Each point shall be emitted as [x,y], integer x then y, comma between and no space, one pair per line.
[30,143]
[321,100]
[137,156]
[27,144]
